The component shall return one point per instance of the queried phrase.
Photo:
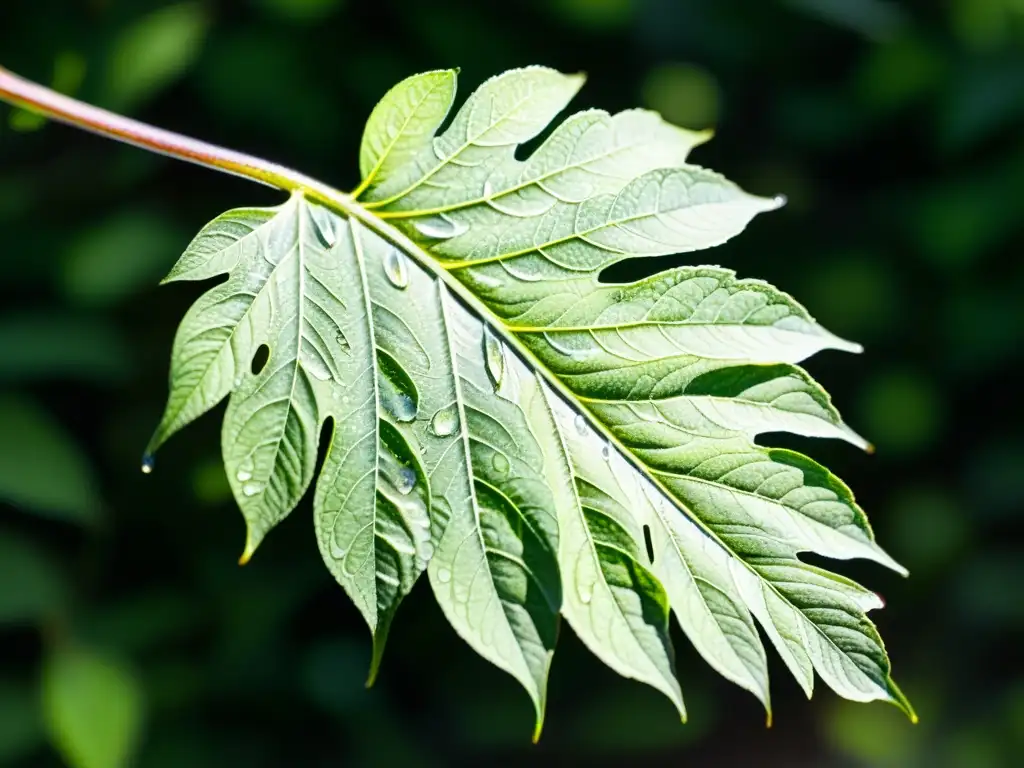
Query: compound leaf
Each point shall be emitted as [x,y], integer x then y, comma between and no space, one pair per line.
[540,442]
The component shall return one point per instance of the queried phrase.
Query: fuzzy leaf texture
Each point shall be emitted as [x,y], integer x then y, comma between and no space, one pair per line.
[526,434]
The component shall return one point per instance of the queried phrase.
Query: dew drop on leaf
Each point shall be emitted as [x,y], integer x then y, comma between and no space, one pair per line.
[494,354]
[500,463]
[342,341]
[316,368]
[405,481]
[325,231]
[484,280]
[444,422]
[396,267]
[148,462]
[427,550]
[586,594]
[245,470]
[581,424]
[606,452]
[444,575]
[400,406]
[251,489]
[440,227]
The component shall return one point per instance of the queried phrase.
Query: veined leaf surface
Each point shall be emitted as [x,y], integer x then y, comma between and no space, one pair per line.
[543,444]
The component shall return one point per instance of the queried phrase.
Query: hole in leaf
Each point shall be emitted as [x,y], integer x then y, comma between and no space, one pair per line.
[324,444]
[649,544]
[259,360]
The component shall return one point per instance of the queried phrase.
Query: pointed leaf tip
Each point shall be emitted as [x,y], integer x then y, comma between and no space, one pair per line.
[703,136]
[379,640]
[855,439]
[250,548]
[901,702]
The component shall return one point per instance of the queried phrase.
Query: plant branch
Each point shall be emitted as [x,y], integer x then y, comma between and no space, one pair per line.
[36,98]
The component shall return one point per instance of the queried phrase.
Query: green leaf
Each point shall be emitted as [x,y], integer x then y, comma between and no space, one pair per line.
[154,52]
[41,468]
[95,272]
[542,443]
[92,706]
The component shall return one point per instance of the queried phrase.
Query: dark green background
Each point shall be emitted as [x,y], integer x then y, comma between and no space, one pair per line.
[896,130]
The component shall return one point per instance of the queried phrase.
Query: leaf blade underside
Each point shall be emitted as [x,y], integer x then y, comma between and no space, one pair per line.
[514,426]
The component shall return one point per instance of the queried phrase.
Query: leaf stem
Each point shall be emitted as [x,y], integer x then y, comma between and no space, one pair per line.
[44,101]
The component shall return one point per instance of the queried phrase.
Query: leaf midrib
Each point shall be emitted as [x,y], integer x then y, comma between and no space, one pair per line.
[357,250]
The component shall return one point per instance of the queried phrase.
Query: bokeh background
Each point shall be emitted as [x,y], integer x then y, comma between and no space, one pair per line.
[128,634]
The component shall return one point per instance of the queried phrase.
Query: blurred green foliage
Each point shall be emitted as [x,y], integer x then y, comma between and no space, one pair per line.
[130,636]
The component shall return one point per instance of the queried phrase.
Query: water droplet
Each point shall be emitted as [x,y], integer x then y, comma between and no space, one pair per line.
[488,189]
[440,227]
[494,354]
[342,341]
[251,489]
[396,267]
[606,452]
[316,367]
[148,462]
[245,469]
[401,407]
[586,594]
[427,550]
[500,463]
[445,422]
[405,481]
[581,424]
[484,279]
[325,231]
[563,347]
[444,575]
[780,200]
[238,382]
[338,553]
